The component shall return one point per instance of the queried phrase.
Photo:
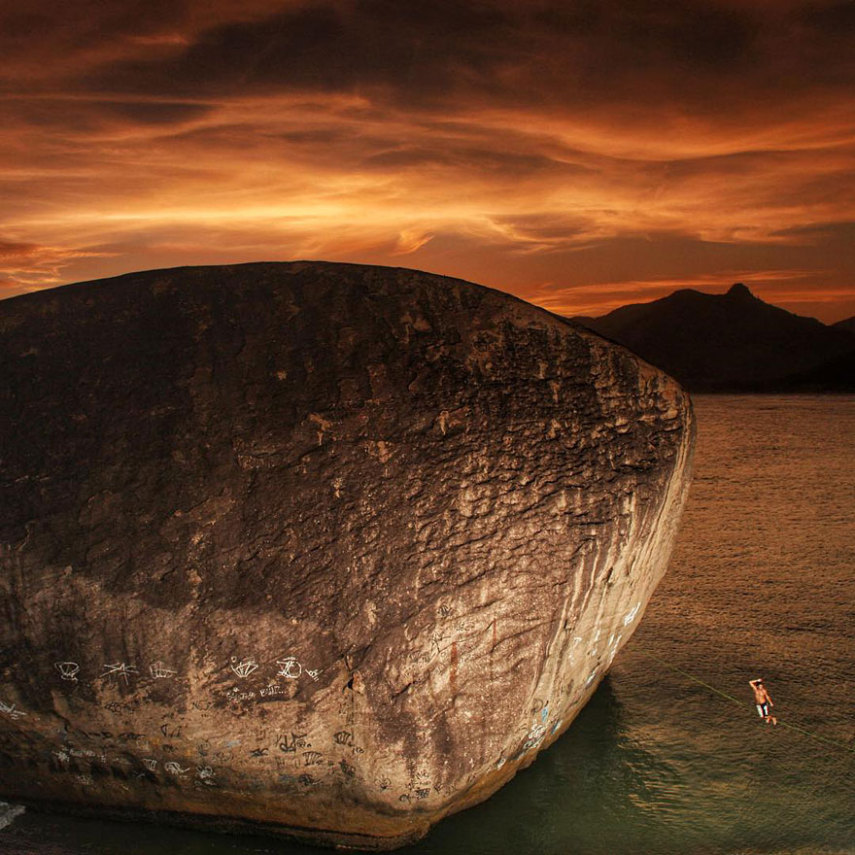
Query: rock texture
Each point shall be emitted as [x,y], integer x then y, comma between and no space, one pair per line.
[324,549]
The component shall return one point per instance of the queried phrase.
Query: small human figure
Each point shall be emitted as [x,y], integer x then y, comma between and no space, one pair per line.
[763,700]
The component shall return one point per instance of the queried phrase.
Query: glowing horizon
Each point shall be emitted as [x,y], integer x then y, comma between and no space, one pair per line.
[579,159]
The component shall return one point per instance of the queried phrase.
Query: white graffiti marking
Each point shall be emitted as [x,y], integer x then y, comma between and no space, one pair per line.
[272,689]
[67,670]
[160,672]
[175,768]
[120,670]
[238,695]
[10,711]
[630,615]
[535,737]
[289,668]
[81,752]
[150,764]
[314,674]
[245,667]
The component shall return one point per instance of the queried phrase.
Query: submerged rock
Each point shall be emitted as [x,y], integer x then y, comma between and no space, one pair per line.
[314,548]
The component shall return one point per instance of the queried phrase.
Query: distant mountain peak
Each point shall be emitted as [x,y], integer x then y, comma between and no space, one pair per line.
[733,342]
[847,324]
[740,291]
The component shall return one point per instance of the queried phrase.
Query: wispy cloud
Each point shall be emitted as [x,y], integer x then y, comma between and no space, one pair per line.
[595,145]
[28,266]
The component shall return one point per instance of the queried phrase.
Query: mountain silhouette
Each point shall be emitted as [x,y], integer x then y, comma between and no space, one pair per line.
[847,324]
[734,342]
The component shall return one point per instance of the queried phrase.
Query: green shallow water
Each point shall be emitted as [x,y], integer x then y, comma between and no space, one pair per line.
[762,582]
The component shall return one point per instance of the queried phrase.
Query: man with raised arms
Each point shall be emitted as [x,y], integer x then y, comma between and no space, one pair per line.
[763,700]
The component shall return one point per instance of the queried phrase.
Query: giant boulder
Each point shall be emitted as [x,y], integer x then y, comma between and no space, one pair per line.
[322,549]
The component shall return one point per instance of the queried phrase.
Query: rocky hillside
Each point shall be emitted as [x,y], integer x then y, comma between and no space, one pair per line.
[733,342]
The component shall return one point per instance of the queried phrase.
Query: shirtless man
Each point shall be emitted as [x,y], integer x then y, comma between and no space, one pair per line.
[763,700]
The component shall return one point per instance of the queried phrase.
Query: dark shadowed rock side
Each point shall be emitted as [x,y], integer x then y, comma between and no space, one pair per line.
[314,548]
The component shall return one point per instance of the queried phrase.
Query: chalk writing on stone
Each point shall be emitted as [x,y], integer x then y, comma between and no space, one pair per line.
[171,731]
[67,670]
[11,711]
[244,668]
[238,695]
[289,668]
[159,671]
[175,768]
[119,670]
[272,689]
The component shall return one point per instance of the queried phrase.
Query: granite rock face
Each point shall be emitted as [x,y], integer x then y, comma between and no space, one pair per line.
[322,549]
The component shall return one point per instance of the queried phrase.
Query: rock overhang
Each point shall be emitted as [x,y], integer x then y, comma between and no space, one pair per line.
[322,548]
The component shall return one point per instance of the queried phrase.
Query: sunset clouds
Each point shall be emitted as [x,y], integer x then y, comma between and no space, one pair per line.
[581,155]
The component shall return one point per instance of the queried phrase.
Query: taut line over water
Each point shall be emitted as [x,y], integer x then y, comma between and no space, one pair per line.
[739,703]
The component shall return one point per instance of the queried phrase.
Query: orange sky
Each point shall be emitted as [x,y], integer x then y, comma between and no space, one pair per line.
[581,155]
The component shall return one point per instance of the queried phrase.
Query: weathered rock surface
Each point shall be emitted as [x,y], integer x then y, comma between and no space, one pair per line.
[327,549]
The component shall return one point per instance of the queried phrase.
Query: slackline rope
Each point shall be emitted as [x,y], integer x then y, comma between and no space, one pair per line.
[739,703]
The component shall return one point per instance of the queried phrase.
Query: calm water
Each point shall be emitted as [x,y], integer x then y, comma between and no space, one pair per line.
[762,582]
